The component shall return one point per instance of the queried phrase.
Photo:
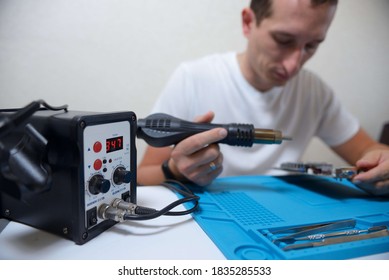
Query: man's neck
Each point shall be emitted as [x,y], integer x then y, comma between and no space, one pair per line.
[250,75]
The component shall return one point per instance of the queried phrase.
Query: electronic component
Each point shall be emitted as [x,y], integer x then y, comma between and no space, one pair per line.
[74,173]
[160,130]
[320,168]
[91,160]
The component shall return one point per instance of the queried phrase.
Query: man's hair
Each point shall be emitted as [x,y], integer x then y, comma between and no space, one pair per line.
[263,8]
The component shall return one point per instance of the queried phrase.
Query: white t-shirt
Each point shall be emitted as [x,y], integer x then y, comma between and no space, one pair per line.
[305,107]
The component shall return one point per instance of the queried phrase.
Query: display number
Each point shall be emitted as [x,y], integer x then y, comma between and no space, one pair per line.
[114,144]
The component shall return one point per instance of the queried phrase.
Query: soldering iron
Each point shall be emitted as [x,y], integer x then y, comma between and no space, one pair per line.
[160,130]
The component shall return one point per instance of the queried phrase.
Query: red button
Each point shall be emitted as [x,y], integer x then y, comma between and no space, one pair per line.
[97,147]
[97,164]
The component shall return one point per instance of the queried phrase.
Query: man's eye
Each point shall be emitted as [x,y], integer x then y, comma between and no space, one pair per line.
[283,41]
[311,47]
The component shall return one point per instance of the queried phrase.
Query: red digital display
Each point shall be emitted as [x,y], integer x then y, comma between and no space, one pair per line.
[114,144]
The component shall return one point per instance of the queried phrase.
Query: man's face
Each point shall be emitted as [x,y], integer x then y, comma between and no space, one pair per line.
[280,45]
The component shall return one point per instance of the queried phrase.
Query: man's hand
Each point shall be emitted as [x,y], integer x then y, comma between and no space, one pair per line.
[375,179]
[198,158]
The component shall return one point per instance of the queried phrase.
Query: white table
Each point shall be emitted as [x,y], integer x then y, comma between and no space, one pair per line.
[164,238]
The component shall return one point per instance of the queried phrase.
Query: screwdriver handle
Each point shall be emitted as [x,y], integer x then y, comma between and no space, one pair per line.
[160,130]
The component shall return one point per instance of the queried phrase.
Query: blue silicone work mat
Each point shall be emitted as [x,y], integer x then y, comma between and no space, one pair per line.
[247,216]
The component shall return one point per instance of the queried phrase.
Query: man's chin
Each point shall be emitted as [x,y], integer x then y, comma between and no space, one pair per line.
[279,83]
[279,80]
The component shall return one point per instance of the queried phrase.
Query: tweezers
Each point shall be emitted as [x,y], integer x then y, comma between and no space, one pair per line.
[337,240]
[340,233]
[313,229]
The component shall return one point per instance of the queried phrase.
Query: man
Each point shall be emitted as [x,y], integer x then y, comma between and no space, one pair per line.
[265,86]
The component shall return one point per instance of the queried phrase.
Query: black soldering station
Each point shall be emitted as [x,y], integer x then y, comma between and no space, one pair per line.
[74,173]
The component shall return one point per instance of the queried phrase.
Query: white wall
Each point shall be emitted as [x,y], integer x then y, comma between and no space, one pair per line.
[111,55]
[354,60]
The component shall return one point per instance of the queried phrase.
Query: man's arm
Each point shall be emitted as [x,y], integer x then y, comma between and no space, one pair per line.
[149,170]
[371,156]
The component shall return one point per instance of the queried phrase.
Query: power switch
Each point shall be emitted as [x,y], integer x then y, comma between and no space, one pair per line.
[91,217]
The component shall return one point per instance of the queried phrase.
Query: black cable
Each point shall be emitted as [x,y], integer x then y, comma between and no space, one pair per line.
[23,163]
[52,108]
[9,123]
[145,213]
[40,102]
[186,192]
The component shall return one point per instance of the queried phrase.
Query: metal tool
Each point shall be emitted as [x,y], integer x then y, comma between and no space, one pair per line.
[340,233]
[319,228]
[298,228]
[337,240]
[160,130]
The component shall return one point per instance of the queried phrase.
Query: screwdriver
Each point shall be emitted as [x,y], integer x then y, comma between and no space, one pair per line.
[160,130]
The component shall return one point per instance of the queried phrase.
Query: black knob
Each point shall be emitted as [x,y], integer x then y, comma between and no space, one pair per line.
[97,184]
[121,175]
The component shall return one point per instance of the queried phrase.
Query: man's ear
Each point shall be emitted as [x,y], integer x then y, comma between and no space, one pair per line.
[248,21]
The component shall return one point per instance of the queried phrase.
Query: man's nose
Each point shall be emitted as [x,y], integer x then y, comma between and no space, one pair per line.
[293,62]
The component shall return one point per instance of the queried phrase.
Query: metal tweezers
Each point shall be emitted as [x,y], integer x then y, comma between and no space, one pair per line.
[319,236]
[312,229]
[337,240]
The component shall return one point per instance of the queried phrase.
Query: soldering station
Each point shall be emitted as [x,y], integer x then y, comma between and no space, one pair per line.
[73,173]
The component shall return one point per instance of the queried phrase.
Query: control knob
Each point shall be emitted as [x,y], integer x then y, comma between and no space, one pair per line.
[97,184]
[121,175]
